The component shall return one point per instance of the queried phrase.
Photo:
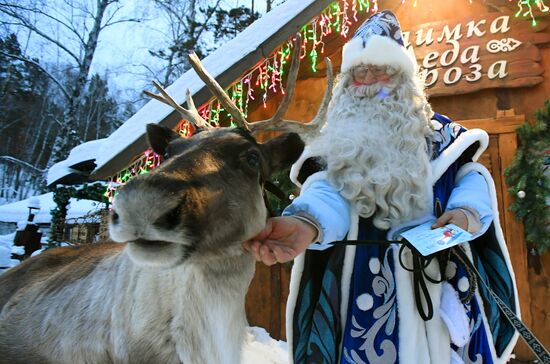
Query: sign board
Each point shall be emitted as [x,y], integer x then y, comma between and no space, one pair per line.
[494,50]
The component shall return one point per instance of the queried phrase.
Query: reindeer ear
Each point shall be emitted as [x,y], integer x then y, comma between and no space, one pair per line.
[159,137]
[283,151]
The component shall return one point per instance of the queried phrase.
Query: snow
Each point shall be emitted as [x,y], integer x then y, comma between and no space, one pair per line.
[248,41]
[18,211]
[80,153]
[7,249]
[261,348]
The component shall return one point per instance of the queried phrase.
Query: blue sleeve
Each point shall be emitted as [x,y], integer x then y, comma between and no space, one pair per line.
[325,205]
[472,191]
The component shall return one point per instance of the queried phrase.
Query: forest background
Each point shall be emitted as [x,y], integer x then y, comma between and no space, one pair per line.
[72,71]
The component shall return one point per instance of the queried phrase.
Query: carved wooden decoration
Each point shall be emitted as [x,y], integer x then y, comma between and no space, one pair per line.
[494,50]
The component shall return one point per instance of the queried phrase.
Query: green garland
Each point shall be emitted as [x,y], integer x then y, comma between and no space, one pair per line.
[527,180]
[282,181]
[62,196]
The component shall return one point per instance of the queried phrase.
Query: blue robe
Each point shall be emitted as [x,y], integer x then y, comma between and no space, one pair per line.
[345,304]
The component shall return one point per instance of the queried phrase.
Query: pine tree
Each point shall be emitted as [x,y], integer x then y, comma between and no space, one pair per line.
[99,111]
[231,22]
[526,176]
[26,122]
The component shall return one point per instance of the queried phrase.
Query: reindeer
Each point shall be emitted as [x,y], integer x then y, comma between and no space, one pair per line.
[172,285]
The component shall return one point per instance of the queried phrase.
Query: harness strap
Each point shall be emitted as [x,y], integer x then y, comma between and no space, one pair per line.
[277,192]
[530,339]
[422,298]
[420,263]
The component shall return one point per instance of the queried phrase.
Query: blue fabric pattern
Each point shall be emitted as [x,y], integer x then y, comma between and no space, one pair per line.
[316,324]
[372,322]
[384,24]
[371,333]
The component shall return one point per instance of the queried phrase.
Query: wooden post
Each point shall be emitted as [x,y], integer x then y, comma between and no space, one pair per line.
[516,243]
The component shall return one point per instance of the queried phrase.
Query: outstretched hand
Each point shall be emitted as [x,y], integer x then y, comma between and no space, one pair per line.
[456,217]
[282,239]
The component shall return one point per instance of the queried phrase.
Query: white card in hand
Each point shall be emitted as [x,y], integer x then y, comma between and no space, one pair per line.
[428,241]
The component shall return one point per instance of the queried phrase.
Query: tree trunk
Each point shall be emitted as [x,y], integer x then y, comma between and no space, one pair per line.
[68,136]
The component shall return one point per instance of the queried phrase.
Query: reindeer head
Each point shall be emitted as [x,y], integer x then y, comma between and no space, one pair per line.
[206,198]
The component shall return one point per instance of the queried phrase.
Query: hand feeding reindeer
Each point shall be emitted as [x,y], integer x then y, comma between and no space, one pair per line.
[172,289]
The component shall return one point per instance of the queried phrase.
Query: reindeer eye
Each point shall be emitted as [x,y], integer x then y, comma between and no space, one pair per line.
[171,219]
[253,159]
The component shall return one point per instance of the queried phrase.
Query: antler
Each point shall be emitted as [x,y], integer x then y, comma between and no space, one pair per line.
[218,91]
[277,123]
[192,115]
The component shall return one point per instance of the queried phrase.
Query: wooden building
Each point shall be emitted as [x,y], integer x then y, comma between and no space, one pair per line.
[484,66]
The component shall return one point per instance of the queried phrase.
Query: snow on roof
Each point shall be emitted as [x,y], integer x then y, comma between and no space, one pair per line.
[19,211]
[85,151]
[79,154]
[223,59]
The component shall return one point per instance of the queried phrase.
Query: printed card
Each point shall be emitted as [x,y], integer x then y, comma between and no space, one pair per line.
[428,241]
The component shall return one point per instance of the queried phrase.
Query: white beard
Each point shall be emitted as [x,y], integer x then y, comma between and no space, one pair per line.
[376,150]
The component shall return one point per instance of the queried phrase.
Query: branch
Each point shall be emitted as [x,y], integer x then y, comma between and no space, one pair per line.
[39,66]
[130,20]
[209,14]
[25,23]
[14,160]
[10,124]
[68,25]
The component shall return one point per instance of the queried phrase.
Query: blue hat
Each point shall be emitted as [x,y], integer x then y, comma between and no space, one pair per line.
[378,42]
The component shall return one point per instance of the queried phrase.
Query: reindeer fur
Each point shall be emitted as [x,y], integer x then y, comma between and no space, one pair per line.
[172,289]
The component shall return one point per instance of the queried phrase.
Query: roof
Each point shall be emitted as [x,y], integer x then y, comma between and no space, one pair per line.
[19,211]
[226,64]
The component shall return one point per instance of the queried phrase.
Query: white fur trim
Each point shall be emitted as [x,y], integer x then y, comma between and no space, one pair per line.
[294,288]
[347,269]
[467,168]
[454,315]
[297,166]
[318,176]
[436,330]
[413,343]
[455,150]
[379,51]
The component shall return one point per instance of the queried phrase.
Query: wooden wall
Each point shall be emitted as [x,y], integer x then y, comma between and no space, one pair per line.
[267,296]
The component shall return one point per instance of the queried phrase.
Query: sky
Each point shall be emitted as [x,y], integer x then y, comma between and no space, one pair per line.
[122,55]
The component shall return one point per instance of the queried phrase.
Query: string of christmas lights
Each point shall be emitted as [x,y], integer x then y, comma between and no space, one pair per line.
[526,9]
[148,161]
[266,77]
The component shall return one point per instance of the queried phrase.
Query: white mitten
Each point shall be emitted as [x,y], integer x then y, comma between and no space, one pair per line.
[454,315]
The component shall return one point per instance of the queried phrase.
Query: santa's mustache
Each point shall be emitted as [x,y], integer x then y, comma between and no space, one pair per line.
[362,90]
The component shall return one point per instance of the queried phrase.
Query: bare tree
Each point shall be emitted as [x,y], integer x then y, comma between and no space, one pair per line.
[72,28]
[187,22]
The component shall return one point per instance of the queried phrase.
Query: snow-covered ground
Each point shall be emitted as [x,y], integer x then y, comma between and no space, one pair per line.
[260,348]
[6,250]
[19,211]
